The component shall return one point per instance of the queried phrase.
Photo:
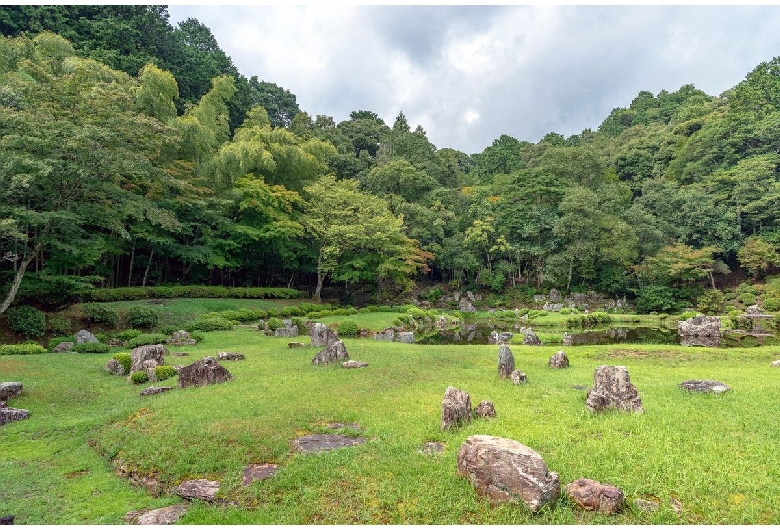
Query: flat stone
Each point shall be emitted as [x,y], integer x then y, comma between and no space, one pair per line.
[432,448]
[646,505]
[317,443]
[160,516]
[153,390]
[9,415]
[705,385]
[295,345]
[10,390]
[354,364]
[339,425]
[230,356]
[255,472]
[199,488]
[775,364]
[180,354]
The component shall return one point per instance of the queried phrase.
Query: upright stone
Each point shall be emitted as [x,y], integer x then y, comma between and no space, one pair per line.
[331,353]
[455,408]
[530,338]
[10,390]
[85,336]
[206,371]
[485,409]
[559,360]
[518,377]
[613,389]
[506,362]
[700,331]
[504,470]
[555,296]
[114,367]
[154,352]
[321,335]
[568,340]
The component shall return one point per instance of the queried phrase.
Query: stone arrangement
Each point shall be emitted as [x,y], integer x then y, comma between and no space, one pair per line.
[455,408]
[206,371]
[322,336]
[559,360]
[612,389]
[506,362]
[592,495]
[332,353]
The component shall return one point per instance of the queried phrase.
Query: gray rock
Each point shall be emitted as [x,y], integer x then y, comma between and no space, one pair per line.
[317,443]
[499,337]
[406,337]
[553,308]
[85,336]
[322,336]
[568,340]
[230,356]
[592,495]
[485,409]
[155,352]
[518,377]
[466,305]
[154,390]
[530,338]
[705,385]
[700,331]
[504,470]
[455,408]
[646,505]
[354,364]
[181,338]
[198,489]
[295,345]
[10,390]
[63,347]
[775,364]
[255,472]
[506,362]
[114,367]
[160,516]
[387,335]
[559,360]
[8,415]
[206,371]
[286,332]
[612,389]
[555,296]
[432,448]
[331,353]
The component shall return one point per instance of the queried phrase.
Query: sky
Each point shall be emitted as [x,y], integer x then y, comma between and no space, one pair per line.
[469,74]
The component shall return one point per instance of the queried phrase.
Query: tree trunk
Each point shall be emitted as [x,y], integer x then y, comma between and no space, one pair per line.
[148,265]
[132,259]
[319,278]
[18,278]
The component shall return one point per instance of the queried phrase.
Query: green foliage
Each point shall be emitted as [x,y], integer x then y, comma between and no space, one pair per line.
[101,314]
[656,298]
[187,291]
[348,328]
[742,322]
[59,325]
[163,372]
[597,318]
[26,348]
[27,321]
[771,302]
[124,359]
[710,302]
[433,295]
[128,334]
[274,323]
[209,323]
[685,315]
[54,341]
[138,378]
[142,316]
[145,339]
[91,347]
[747,298]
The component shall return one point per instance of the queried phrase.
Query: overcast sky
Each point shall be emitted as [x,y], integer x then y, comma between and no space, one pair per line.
[469,74]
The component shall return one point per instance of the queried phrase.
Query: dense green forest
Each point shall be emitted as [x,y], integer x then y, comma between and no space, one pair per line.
[134,153]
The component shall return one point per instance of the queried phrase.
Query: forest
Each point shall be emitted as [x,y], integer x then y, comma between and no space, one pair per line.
[133,153]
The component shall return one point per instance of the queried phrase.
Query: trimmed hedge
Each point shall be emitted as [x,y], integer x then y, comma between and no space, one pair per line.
[186,291]
[145,339]
[91,347]
[27,348]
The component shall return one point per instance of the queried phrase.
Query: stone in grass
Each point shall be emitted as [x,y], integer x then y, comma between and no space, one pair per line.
[9,415]
[230,356]
[322,336]
[160,516]
[63,347]
[455,408]
[254,472]
[592,495]
[317,443]
[559,360]
[153,390]
[612,389]
[139,355]
[295,344]
[704,385]
[506,361]
[432,448]
[331,353]
[206,371]
[519,377]
[485,409]
[354,364]
[114,367]
[199,488]
[10,390]
[775,364]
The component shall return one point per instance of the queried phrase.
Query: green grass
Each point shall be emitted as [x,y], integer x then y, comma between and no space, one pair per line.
[716,455]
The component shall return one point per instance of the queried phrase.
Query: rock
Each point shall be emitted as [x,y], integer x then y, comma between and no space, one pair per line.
[775,364]
[555,296]
[317,443]
[387,335]
[553,308]
[705,385]
[230,356]
[160,516]
[322,336]
[518,377]
[646,505]
[152,390]
[531,339]
[540,298]
[155,352]
[595,496]
[10,390]
[199,488]
[9,415]
[295,345]
[568,340]
[85,336]
[499,337]
[353,364]
[6,520]
[206,371]
[441,323]
[148,367]
[753,310]
[432,448]
[331,353]
[180,354]
[63,347]
[506,362]
[286,332]
[485,409]
[114,367]
[559,360]
[181,338]
[406,337]
[700,331]
[465,305]
[255,472]
[613,389]
[455,408]
[507,471]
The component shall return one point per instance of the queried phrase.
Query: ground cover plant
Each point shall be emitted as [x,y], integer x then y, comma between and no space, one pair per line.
[705,459]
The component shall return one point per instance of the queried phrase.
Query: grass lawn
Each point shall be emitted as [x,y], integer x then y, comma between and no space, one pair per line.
[714,456]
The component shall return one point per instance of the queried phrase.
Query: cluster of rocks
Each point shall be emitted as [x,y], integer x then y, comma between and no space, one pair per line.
[456,409]
[333,348]
[700,330]
[8,414]
[391,335]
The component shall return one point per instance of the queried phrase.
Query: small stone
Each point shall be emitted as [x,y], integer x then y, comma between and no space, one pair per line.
[592,495]
[646,505]
[7,519]
[676,505]
[63,347]
[153,390]
[316,443]
[406,337]
[9,415]
[485,409]
[230,356]
[704,385]
[295,345]
[255,472]
[432,448]
[559,360]
[286,332]
[387,335]
[160,516]
[331,353]
[519,377]
[10,390]
[200,488]
[114,367]
[353,364]
[775,364]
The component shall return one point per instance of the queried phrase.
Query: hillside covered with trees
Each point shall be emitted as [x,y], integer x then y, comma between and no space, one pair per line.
[134,153]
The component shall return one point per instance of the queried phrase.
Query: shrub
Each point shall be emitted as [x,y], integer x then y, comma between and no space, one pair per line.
[710,302]
[101,314]
[128,334]
[274,323]
[91,347]
[348,328]
[163,372]
[197,336]
[124,359]
[145,339]
[687,314]
[54,341]
[139,377]
[273,313]
[59,325]
[168,329]
[433,295]
[741,322]
[747,298]
[292,311]
[142,316]
[772,303]
[26,348]
[656,298]
[209,323]
[27,321]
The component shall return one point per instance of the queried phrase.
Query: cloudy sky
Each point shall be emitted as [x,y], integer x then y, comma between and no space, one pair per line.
[468,74]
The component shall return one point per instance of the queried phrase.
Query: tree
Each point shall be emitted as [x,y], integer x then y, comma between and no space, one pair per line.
[757,256]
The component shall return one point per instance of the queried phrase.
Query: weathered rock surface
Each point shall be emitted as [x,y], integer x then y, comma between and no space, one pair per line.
[317,443]
[153,390]
[9,415]
[160,516]
[10,390]
[85,336]
[230,356]
[700,331]
[613,389]
[568,339]
[255,472]
[530,338]
[518,377]
[286,332]
[387,335]
[321,335]
[406,337]
[331,353]
[592,495]
[432,448]
[206,371]
[555,296]
[559,360]
[507,471]
[295,345]
[354,364]
[455,408]
[114,367]
[199,488]
[506,362]
[485,409]
[499,337]
[63,347]
[6,519]
[155,352]
[181,338]
[705,385]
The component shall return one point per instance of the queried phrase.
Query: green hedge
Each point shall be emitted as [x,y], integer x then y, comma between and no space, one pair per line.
[22,349]
[186,291]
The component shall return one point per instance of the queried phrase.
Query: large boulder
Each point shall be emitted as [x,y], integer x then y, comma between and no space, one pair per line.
[592,495]
[154,352]
[612,388]
[85,336]
[530,338]
[507,471]
[206,371]
[387,335]
[506,362]
[10,390]
[321,335]
[331,353]
[455,408]
[700,331]
[114,367]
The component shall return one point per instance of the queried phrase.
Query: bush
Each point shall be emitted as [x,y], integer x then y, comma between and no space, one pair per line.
[128,334]
[163,372]
[772,303]
[209,323]
[348,328]
[27,321]
[741,322]
[59,325]
[747,298]
[139,377]
[710,302]
[186,291]
[274,323]
[124,359]
[144,339]
[142,316]
[101,314]
[433,295]
[91,347]
[687,314]
[656,298]
[26,348]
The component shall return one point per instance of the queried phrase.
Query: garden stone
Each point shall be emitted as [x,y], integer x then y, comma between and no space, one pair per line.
[485,409]
[504,470]
[154,390]
[553,308]
[10,390]
[160,516]
[230,356]
[646,505]
[322,336]
[775,364]
[506,362]
[407,337]
[499,337]
[85,336]
[455,408]
[149,366]
[592,495]
[441,323]
[555,296]
[9,415]
[199,488]
[7,520]
[432,448]
[140,354]
[518,377]
[317,443]
[63,347]
[568,340]
[700,331]
[387,335]
[559,360]
[753,310]
[295,345]
[716,387]
[465,305]
[181,338]
[354,364]
[255,472]
[114,367]
[286,332]
[530,338]
[331,353]
[206,371]
[613,389]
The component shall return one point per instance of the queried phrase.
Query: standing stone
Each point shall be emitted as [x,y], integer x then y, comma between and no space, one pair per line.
[700,331]
[568,340]
[206,371]
[198,489]
[593,495]
[507,471]
[286,332]
[506,362]
[613,389]
[559,360]
[485,409]
[322,336]
[530,338]
[331,353]
[518,377]
[85,336]
[149,366]
[10,390]
[140,354]
[455,408]
[405,337]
